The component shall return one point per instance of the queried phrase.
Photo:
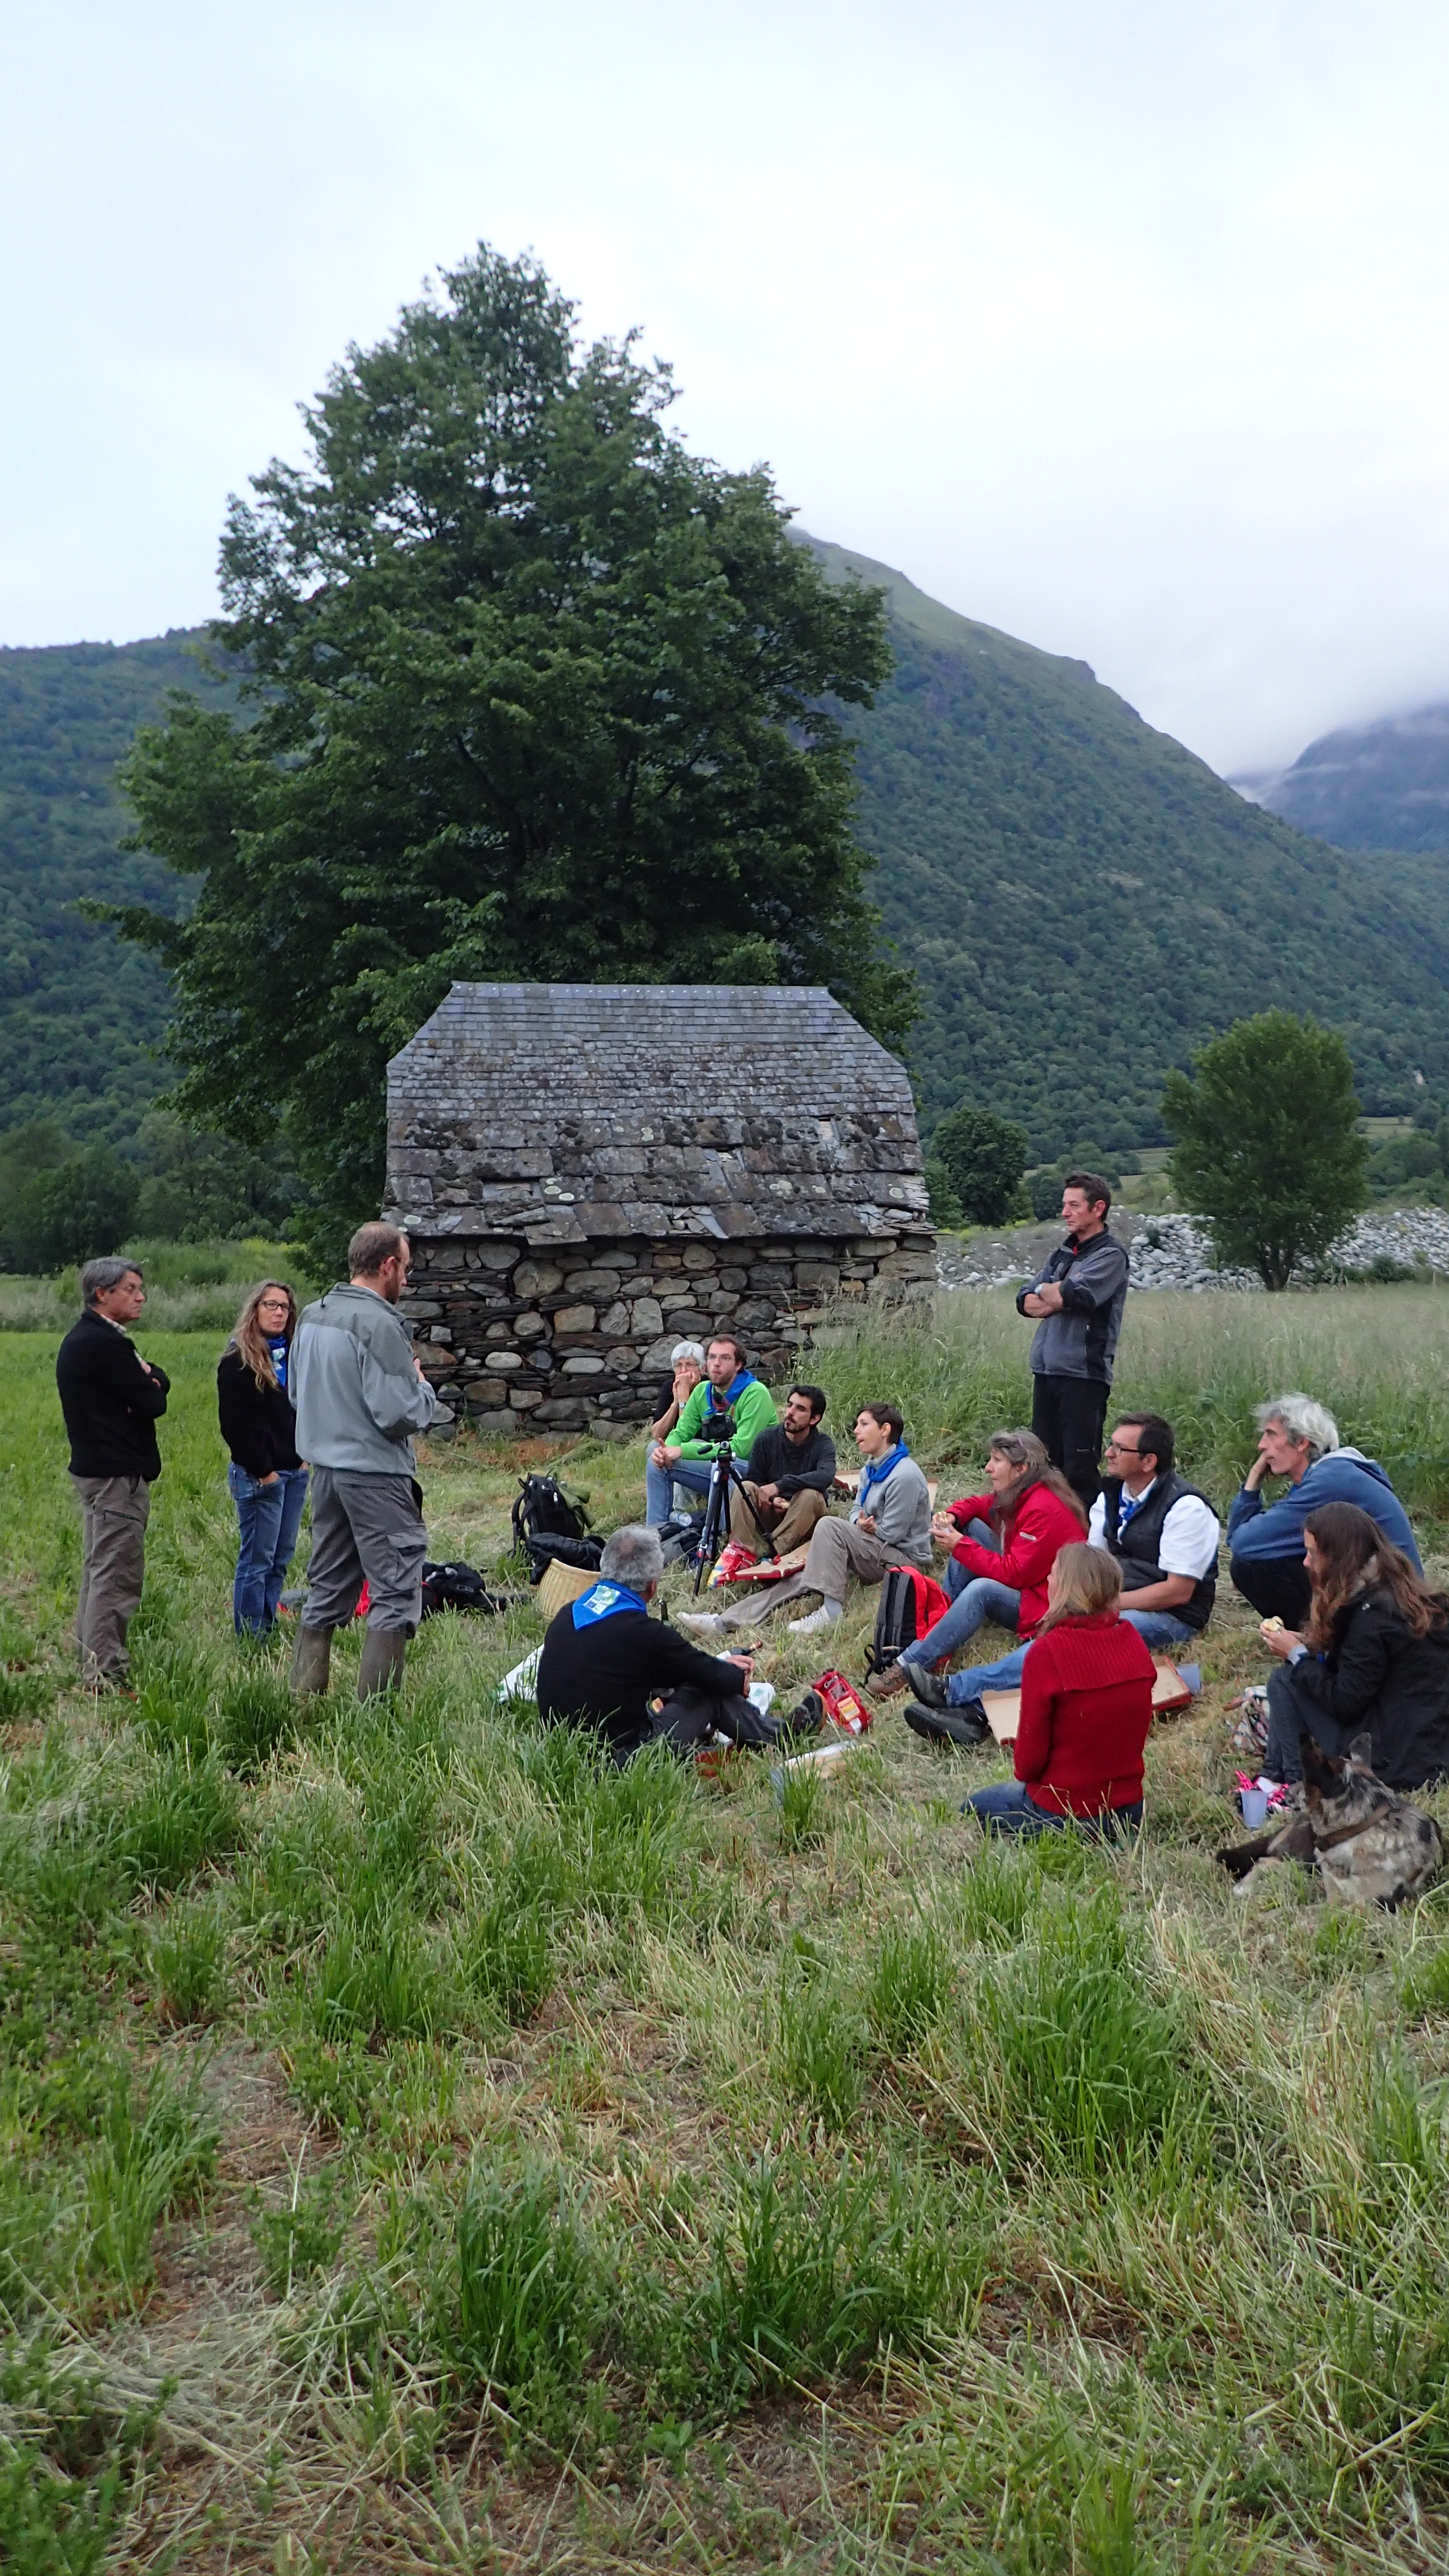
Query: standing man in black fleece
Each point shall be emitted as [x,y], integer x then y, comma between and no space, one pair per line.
[1076,1304]
[112,1400]
[788,1476]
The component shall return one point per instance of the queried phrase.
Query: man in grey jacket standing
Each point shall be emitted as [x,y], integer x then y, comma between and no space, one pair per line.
[359,1396]
[1076,1303]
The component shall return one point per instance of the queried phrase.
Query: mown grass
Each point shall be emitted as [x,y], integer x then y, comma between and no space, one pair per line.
[422,2146]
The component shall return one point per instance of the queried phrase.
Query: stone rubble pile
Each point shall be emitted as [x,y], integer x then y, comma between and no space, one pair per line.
[1175,1251]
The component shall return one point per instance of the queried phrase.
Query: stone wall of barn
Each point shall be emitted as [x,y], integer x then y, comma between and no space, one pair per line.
[580,1335]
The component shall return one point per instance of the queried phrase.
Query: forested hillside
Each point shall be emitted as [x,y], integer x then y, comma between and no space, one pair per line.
[79,1011]
[1085,901]
[1381,786]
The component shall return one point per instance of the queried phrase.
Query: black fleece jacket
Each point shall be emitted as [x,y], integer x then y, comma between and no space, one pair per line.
[1377,1678]
[257,1422]
[603,1676]
[110,1401]
[792,1465]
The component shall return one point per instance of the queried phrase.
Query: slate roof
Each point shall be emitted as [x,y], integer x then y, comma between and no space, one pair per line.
[557,1112]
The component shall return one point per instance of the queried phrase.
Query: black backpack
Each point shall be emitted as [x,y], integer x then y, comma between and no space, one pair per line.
[904,1612]
[457,1587]
[546,1525]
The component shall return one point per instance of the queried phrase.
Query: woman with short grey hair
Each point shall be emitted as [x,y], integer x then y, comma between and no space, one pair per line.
[687,1363]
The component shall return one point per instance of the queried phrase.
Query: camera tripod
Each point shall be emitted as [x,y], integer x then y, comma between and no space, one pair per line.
[724,1474]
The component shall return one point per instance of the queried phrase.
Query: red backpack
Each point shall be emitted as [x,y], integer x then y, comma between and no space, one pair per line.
[910,1603]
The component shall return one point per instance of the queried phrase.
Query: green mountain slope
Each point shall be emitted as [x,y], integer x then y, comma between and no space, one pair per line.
[1085,901]
[1381,786]
[80,1013]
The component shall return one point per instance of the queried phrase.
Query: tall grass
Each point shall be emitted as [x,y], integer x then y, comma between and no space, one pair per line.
[190,1287]
[1378,1358]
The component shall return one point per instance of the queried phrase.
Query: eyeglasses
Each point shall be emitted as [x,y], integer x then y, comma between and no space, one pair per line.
[1122,1449]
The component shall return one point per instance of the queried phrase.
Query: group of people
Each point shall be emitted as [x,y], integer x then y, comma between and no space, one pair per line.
[1087,1573]
[328,1400]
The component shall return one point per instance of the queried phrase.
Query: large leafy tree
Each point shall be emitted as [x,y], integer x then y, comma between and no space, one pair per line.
[533,693]
[1265,1144]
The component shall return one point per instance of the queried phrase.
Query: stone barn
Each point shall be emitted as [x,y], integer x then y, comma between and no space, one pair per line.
[592,1172]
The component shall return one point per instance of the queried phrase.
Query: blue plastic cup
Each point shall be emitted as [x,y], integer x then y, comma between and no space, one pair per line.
[1255,1807]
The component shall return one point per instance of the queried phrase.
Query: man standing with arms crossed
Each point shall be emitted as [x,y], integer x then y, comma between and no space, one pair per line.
[1076,1304]
[359,1396]
[112,1400]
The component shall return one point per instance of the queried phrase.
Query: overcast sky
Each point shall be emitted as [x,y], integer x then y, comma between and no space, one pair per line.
[1120,326]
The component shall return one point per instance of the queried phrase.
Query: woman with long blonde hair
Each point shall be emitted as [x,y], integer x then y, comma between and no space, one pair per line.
[266,1479]
[1086,1710]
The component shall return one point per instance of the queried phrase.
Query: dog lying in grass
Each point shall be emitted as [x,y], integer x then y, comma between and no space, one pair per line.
[1371,1847]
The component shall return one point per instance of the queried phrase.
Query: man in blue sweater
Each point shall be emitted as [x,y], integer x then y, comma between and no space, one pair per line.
[1299,1439]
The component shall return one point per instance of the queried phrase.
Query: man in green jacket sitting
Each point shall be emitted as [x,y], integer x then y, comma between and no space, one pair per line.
[730,1405]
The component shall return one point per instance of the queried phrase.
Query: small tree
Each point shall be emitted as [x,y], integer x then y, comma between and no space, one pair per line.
[1264,1142]
[73,1212]
[985,1157]
[944,1205]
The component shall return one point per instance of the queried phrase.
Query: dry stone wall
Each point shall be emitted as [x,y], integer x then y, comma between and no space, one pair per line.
[515,1338]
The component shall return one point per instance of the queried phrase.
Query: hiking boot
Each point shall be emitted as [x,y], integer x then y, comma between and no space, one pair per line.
[930,1688]
[311,1663]
[807,1718]
[890,1679]
[947,1725]
[381,1668]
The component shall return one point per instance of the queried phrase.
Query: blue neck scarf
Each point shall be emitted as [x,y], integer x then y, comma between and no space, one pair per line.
[714,1403]
[605,1601]
[877,1469]
[278,1348]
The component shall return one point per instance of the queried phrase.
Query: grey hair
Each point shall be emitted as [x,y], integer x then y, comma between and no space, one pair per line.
[633,1556]
[98,1276]
[688,1351]
[1302,1419]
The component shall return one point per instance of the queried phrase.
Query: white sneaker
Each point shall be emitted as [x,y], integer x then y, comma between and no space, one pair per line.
[708,1622]
[817,1620]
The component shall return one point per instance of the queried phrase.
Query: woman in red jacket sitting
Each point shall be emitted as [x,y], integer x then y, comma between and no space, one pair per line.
[1003,1546]
[1086,1711]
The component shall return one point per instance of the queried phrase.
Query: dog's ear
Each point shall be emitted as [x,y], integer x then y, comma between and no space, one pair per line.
[1362,1751]
[1319,1773]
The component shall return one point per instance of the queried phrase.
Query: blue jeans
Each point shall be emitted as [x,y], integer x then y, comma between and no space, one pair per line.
[1008,1808]
[269,1517]
[692,1473]
[1158,1627]
[1004,1674]
[975,1598]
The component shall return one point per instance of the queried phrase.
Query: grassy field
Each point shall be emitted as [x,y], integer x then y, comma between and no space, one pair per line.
[421,2149]
[190,1287]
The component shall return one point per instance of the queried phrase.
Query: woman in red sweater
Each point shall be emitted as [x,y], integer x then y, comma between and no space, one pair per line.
[1086,1710]
[1003,1546]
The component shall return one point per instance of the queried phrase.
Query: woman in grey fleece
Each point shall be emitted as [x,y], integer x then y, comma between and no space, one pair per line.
[890,1524]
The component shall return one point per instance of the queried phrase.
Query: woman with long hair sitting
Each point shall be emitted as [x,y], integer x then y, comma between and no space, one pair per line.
[266,1479]
[1004,1544]
[1372,1658]
[1086,1710]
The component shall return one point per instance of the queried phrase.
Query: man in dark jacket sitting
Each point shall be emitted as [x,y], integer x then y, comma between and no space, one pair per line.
[606,1664]
[112,1400]
[788,1476]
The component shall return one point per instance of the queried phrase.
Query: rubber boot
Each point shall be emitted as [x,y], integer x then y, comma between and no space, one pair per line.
[311,1662]
[381,1668]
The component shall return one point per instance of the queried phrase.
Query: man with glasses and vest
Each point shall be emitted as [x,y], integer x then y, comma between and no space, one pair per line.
[1162,1531]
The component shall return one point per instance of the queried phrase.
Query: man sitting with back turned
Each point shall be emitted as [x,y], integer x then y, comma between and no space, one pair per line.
[730,1405]
[1076,1303]
[1162,1531]
[788,1477]
[1299,1439]
[605,1663]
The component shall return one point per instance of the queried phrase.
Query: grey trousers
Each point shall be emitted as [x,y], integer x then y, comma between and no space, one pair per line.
[838,1550]
[115,1511]
[365,1527]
